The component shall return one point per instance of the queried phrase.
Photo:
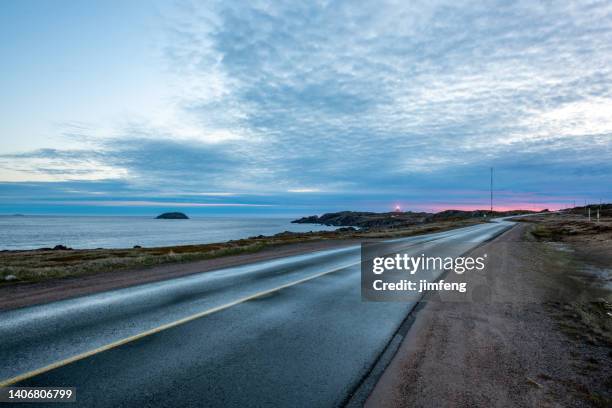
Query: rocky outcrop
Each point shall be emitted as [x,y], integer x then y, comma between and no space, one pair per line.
[371,220]
[366,220]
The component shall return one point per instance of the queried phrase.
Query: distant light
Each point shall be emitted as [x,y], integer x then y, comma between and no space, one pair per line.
[398,208]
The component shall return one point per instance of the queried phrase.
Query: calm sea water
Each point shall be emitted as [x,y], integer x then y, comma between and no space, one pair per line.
[30,232]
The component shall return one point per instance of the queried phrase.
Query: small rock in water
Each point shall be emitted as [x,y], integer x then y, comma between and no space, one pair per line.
[173,216]
[9,278]
[137,246]
[61,248]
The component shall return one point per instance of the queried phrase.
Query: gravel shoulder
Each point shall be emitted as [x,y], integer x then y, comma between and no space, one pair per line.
[532,334]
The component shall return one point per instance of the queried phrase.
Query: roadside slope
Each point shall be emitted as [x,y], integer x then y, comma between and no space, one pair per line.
[34,293]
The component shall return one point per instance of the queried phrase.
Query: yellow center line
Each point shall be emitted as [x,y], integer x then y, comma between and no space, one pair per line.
[70,360]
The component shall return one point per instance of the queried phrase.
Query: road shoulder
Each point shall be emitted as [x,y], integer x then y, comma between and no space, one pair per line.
[499,352]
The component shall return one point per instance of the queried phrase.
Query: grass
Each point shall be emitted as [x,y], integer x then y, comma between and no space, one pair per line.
[586,319]
[39,265]
[33,266]
[556,227]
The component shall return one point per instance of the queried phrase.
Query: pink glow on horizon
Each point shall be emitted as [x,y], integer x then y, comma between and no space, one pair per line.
[436,207]
[503,200]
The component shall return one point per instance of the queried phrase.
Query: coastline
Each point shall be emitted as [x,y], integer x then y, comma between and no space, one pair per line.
[33,232]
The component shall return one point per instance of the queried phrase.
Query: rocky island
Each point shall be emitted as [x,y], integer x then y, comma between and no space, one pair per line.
[172,216]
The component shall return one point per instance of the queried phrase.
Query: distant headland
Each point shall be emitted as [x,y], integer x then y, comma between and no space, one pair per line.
[398,219]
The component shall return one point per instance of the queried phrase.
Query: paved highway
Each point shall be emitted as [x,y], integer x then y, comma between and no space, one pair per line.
[286,332]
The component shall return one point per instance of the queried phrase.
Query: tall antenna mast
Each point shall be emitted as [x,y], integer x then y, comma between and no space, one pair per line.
[491,190]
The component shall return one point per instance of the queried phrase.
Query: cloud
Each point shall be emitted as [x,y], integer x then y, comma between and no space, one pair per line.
[58,165]
[303,190]
[145,203]
[343,90]
[363,98]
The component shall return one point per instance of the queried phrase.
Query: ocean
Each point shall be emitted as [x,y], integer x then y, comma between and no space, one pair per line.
[31,232]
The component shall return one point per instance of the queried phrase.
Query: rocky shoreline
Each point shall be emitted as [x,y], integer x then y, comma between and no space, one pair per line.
[372,220]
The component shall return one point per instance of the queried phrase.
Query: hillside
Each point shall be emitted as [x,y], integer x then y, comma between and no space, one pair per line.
[605,210]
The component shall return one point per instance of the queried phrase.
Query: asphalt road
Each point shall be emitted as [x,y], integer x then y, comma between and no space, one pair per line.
[286,332]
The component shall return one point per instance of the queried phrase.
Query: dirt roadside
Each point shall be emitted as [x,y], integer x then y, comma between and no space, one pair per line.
[535,336]
[28,294]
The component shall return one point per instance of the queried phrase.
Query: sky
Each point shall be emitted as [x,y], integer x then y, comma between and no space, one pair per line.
[283,107]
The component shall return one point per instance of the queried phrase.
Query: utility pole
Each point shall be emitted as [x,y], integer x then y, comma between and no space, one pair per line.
[491,191]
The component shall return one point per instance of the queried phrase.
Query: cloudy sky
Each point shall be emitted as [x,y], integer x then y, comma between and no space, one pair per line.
[271,107]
